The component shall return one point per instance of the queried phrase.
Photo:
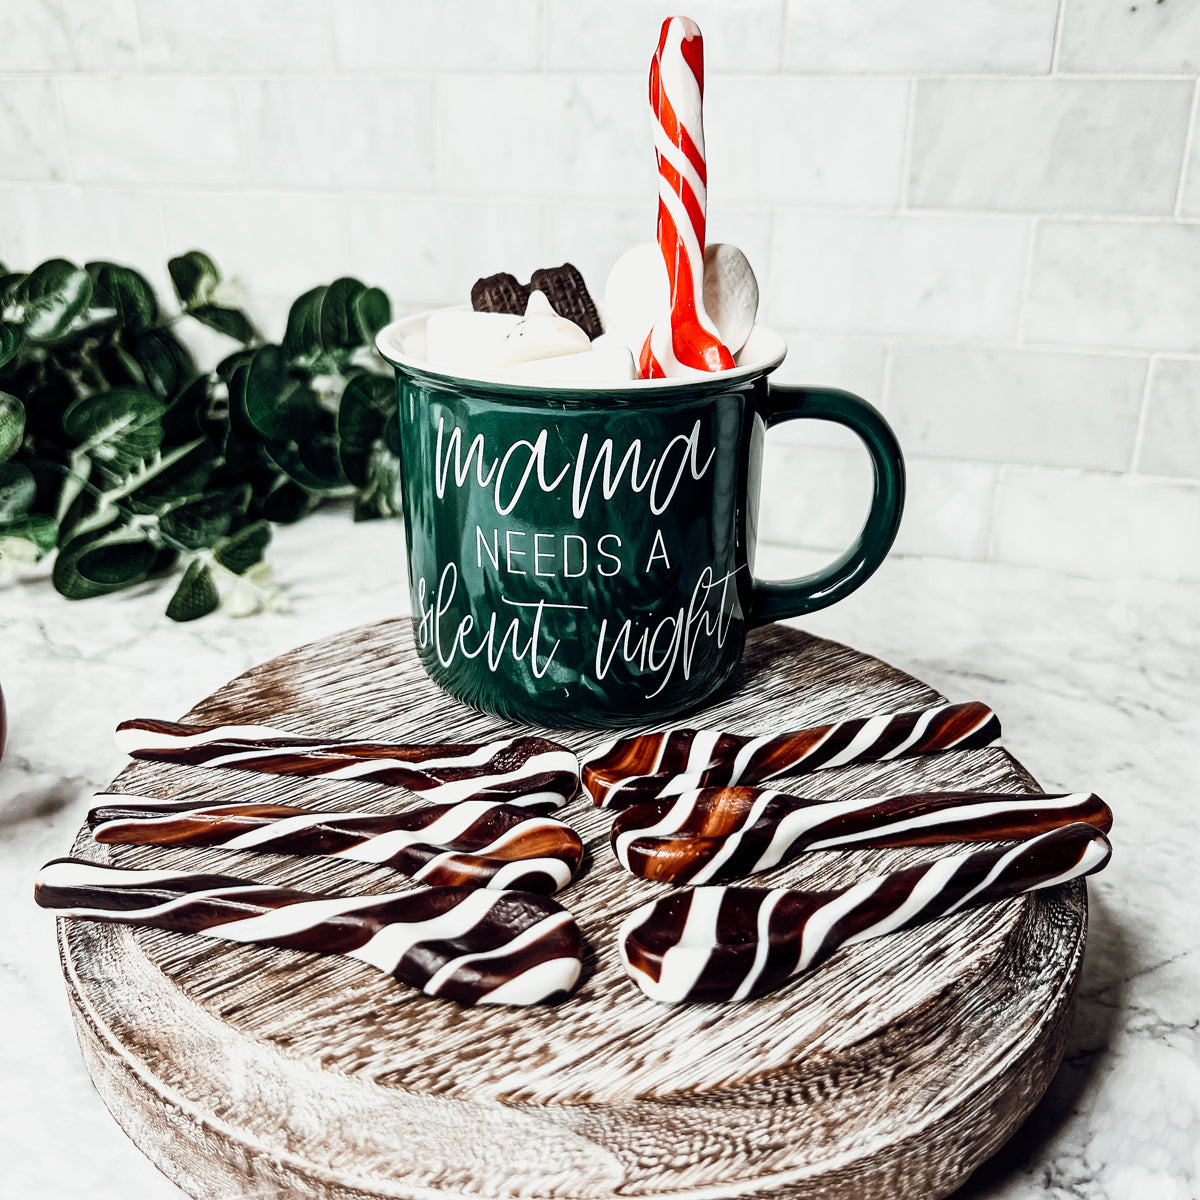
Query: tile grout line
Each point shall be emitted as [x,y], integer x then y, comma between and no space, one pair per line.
[773,282]
[910,122]
[164,250]
[435,139]
[942,341]
[767,287]
[1002,469]
[62,116]
[141,52]
[998,466]
[1026,278]
[748,73]
[586,200]
[1139,433]
[781,62]
[989,540]
[812,547]
[542,37]
[239,100]
[1056,40]
[543,233]
[885,382]
[1188,143]
[592,200]
[331,32]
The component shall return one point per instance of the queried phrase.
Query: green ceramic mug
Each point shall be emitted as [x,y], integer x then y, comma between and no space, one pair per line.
[582,555]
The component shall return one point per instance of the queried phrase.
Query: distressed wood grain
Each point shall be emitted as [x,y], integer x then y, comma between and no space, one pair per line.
[889,1072]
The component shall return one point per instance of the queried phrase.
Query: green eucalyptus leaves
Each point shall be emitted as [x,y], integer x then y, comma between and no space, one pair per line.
[116,450]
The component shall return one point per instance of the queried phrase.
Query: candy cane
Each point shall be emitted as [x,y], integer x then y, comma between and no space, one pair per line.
[687,342]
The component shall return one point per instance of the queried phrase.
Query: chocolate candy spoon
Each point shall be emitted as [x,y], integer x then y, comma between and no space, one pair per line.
[529,772]
[713,835]
[653,765]
[731,943]
[463,944]
[475,843]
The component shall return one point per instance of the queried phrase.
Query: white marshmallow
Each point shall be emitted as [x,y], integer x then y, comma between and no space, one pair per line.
[611,361]
[730,293]
[638,293]
[458,340]
[542,333]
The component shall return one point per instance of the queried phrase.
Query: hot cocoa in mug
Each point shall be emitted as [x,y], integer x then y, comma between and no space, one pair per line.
[581,552]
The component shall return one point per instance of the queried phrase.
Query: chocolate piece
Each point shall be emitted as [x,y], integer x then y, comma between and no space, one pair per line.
[654,765]
[528,772]
[475,843]
[731,943]
[458,943]
[714,835]
[568,295]
[562,286]
[500,293]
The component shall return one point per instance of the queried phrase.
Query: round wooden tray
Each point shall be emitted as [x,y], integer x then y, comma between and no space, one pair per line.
[890,1072]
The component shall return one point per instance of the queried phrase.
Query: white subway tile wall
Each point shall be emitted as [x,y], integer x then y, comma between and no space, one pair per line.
[947,275]
[1049,145]
[303,132]
[389,36]
[1115,284]
[48,35]
[597,35]
[550,136]
[857,365]
[1171,436]
[1018,406]
[948,513]
[151,129]
[833,141]
[900,37]
[1097,526]
[430,251]
[221,37]
[82,223]
[35,139]
[1130,37]
[983,217]
[243,228]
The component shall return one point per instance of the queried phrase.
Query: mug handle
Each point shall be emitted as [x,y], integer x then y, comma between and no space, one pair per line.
[773,601]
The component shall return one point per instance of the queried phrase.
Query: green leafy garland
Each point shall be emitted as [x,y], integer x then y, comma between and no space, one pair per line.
[119,453]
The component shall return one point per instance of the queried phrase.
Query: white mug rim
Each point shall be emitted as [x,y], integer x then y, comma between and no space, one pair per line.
[771,346]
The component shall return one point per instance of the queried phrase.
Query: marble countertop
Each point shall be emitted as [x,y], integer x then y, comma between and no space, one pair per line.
[1098,686]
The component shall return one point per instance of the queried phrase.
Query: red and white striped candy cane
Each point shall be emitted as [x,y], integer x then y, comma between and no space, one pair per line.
[686,342]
